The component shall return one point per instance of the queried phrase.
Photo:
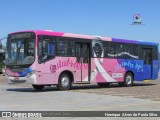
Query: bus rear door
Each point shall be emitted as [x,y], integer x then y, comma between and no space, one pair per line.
[147,59]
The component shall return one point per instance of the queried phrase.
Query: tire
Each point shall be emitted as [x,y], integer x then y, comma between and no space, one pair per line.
[103,84]
[128,80]
[38,87]
[64,82]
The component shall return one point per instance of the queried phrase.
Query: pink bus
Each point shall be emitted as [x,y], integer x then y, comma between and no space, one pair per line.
[44,58]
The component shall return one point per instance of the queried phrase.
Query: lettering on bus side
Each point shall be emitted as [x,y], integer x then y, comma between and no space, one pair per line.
[68,63]
[132,65]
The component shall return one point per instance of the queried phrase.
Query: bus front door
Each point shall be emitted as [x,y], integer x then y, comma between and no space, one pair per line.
[147,65]
[83,61]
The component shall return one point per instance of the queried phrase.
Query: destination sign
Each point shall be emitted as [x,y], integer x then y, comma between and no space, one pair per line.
[24,35]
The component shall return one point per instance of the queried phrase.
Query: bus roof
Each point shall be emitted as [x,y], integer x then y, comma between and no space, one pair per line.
[134,41]
[92,37]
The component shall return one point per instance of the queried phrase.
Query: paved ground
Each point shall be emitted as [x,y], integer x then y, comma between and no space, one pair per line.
[140,97]
[144,90]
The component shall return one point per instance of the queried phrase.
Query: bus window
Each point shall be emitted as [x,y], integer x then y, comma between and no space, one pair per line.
[46,48]
[85,53]
[130,51]
[78,52]
[155,53]
[105,47]
[111,52]
[20,49]
[65,47]
[147,56]
[119,50]
[97,49]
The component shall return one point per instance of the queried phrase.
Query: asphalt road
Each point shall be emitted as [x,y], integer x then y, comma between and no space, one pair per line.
[140,97]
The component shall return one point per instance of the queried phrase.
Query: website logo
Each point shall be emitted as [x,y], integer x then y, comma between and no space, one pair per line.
[6,114]
[137,19]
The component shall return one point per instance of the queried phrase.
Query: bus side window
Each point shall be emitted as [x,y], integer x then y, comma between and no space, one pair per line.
[51,50]
[131,51]
[147,56]
[111,52]
[155,53]
[78,52]
[65,47]
[97,47]
[119,50]
[46,48]
[105,47]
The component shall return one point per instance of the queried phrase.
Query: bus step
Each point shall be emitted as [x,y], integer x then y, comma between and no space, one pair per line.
[86,82]
[146,81]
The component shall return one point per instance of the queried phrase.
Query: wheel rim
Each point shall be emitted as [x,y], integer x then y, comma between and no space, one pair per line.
[128,79]
[65,82]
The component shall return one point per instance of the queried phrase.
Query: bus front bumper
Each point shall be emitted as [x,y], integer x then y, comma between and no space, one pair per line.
[28,80]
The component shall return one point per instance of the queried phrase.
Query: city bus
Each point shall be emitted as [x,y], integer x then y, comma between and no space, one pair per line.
[45,58]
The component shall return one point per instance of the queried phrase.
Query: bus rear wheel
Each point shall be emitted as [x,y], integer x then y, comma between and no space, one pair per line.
[64,82]
[38,87]
[103,84]
[128,80]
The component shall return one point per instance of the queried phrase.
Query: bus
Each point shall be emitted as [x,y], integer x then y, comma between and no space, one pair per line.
[45,58]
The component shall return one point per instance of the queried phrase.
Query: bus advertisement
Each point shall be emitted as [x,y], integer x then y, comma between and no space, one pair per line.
[44,58]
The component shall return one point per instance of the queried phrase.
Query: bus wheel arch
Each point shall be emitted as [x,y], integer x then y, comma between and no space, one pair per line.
[128,79]
[65,80]
[131,73]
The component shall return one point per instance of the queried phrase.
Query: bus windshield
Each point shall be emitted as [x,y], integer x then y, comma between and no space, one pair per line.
[20,51]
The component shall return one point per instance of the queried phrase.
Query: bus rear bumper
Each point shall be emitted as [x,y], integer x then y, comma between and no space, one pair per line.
[28,80]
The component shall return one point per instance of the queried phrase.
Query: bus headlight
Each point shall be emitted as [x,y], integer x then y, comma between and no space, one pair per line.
[31,73]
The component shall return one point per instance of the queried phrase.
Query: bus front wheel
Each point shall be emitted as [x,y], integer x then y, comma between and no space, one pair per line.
[128,80]
[64,82]
[38,87]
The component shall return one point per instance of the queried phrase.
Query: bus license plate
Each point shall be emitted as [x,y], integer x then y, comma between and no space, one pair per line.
[16,78]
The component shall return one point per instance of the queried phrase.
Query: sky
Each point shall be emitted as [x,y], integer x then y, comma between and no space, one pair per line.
[111,18]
